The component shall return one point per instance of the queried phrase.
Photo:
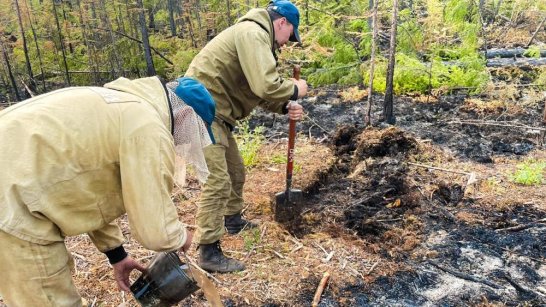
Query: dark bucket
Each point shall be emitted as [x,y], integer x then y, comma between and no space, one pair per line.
[166,282]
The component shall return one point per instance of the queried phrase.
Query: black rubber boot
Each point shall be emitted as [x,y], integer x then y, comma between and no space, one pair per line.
[235,223]
[212,259]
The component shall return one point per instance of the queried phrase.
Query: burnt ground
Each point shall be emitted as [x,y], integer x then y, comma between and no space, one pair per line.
[391,230]
[417,219]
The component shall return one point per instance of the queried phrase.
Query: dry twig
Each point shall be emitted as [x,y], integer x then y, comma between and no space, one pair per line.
[320,288]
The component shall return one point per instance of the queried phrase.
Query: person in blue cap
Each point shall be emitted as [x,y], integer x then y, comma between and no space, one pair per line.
[76,159]
[239,68]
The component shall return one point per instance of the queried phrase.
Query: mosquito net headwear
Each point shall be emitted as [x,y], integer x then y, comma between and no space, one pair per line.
[193,114]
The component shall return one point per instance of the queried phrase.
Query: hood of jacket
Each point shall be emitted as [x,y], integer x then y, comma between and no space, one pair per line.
[261,17]
[150,89]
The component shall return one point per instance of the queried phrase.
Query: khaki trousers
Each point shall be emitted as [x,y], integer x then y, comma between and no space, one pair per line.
[222,194]
[36,275]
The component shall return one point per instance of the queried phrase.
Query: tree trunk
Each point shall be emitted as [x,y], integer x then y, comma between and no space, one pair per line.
[181,22]
[67,28]
[115,54]
[25,49]
[368,115]
[171,17]
[190,29]
[150,69]
[388,115]
[228,9]
[90,52]
[197,10]
[151,20]
[61,43]
[10,73]
[38,52]
[371,7]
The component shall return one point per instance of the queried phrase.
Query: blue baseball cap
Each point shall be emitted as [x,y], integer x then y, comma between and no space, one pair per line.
[288,10]
[198,97]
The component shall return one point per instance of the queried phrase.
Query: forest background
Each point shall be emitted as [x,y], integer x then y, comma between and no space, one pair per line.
[440,46]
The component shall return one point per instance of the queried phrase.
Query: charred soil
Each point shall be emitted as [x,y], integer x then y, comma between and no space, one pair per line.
[422,213]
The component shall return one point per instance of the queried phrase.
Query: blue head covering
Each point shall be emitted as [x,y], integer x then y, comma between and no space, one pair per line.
[198,97]
[288,10]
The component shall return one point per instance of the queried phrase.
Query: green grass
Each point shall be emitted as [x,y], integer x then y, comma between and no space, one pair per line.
[282,159]
[251,239]
[249,143]
[529,172]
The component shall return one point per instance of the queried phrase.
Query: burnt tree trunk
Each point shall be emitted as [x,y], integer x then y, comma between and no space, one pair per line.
[197,10]
[172,24]
[61,43]
[25,49]
[228,9]
[67,29]
[115,54]
[150,69]
[38,52]
[388,115]
[90,49]
[371,7]
[368,116]
[10,73]
[190,30]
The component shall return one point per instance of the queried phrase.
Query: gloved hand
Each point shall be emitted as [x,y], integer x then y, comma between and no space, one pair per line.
[122,270]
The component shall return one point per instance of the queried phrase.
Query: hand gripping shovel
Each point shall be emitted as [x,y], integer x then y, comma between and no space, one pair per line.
[289,196]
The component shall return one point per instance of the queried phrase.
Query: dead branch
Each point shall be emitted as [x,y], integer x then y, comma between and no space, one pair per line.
[519,287]
[522,226]
[536,32]
[498,124]
[372,268]
[464,275]
[320,288]
[28,89]
[440,169]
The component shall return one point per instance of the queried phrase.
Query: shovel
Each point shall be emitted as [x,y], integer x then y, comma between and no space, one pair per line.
[290,196]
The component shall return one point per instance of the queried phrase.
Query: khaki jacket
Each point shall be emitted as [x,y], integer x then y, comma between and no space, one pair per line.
[239,69]
[75,159]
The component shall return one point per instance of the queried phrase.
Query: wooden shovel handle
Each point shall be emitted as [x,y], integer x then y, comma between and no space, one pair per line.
[297,72]
[291,140]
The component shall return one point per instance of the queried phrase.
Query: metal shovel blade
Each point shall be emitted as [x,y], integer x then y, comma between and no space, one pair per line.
[289,197]
[286,205]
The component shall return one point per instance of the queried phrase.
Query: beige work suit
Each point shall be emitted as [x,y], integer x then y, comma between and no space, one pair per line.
[73,161]
[239,68]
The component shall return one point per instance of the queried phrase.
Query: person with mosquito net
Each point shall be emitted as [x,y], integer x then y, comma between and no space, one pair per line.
[76,159]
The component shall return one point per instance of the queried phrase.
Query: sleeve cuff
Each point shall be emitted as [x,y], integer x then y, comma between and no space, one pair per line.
[116,255]
[295,95]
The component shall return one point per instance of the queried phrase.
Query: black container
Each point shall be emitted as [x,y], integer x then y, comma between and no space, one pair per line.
[166,282]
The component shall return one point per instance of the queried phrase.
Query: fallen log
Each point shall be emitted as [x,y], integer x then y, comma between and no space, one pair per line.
[519,62]
[508,53]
